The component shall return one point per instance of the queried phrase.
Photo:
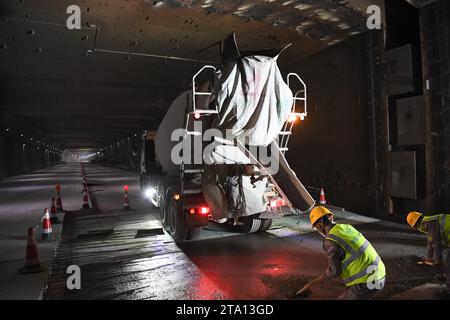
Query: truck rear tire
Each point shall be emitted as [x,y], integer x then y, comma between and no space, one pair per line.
[265,225]
[163,214]
[193,233]
[177,227]
[142,181]
[251,225]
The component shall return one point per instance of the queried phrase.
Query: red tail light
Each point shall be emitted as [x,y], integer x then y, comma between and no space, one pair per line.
[278,202]
[203,211]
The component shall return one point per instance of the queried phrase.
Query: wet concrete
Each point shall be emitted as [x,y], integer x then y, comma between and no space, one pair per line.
[428,291]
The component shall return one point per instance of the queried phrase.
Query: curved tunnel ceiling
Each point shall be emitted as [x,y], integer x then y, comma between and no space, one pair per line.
[50,82]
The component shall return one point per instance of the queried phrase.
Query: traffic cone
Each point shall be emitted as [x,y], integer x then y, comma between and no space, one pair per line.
[32,262]
[126,201]
[322,197]
[85,200]
[46,227]
[59,205]
[53,216]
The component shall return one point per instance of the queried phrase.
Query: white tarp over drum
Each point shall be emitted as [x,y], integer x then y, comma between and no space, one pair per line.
[254,101]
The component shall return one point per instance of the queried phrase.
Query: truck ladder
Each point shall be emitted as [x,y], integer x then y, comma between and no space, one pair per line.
[191,174]
[301,98]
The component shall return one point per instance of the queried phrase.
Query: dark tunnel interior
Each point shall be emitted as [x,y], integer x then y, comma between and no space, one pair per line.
[97,90]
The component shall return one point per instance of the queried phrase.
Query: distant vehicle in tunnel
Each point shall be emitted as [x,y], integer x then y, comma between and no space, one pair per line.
[193,174]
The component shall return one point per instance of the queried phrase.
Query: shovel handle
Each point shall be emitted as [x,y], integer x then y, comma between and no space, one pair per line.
[306,286]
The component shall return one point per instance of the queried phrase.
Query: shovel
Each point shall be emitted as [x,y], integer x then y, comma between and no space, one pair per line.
[305,290]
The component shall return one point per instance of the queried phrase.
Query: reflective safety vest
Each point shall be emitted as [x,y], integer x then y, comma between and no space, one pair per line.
[361,263]
[444,227]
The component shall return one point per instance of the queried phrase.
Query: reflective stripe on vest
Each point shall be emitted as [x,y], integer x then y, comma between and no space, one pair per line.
[363,273]
[359,257]
[354,254]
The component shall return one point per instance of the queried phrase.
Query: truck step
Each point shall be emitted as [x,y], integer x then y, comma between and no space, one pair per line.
[193,170]
[204,111]
[193,133]
[197,93]
[192,191]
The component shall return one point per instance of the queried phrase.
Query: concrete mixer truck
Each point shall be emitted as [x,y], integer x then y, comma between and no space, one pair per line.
[219,152]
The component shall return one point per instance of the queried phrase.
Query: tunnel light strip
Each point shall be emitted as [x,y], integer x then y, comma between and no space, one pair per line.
[30,141]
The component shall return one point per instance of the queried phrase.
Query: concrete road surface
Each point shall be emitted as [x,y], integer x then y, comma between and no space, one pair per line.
[126,254]
[22,203]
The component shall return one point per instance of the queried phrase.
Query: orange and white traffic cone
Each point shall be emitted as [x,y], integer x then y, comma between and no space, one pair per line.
[322,197]
[53,216]
[85,200]
[32,262]
[126,201]
[46,227]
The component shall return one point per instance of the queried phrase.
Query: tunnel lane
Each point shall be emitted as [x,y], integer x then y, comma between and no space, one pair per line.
[126,255]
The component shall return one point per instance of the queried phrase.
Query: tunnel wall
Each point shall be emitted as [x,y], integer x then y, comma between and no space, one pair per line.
[18,156]
[123,154]
[330,149]
[435,37]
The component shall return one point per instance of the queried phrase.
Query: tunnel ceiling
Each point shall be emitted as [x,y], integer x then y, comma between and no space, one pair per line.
[90,100]
[421,3]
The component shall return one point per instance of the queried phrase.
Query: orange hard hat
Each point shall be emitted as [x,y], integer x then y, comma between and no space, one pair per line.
[317,213]
[413,217]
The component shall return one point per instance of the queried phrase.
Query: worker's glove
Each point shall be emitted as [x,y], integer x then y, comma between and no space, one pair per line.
[426,262]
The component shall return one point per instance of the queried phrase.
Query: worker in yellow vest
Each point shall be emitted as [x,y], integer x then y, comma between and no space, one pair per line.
[437,228]
[350,256]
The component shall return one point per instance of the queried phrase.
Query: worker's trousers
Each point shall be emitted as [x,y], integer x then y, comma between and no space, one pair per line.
[361,292]
[448,270]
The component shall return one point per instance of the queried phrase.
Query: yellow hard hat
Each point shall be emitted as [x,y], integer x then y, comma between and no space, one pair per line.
[317,213]
[413,217]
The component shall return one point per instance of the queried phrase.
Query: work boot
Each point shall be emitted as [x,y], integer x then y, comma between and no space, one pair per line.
[439,277]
